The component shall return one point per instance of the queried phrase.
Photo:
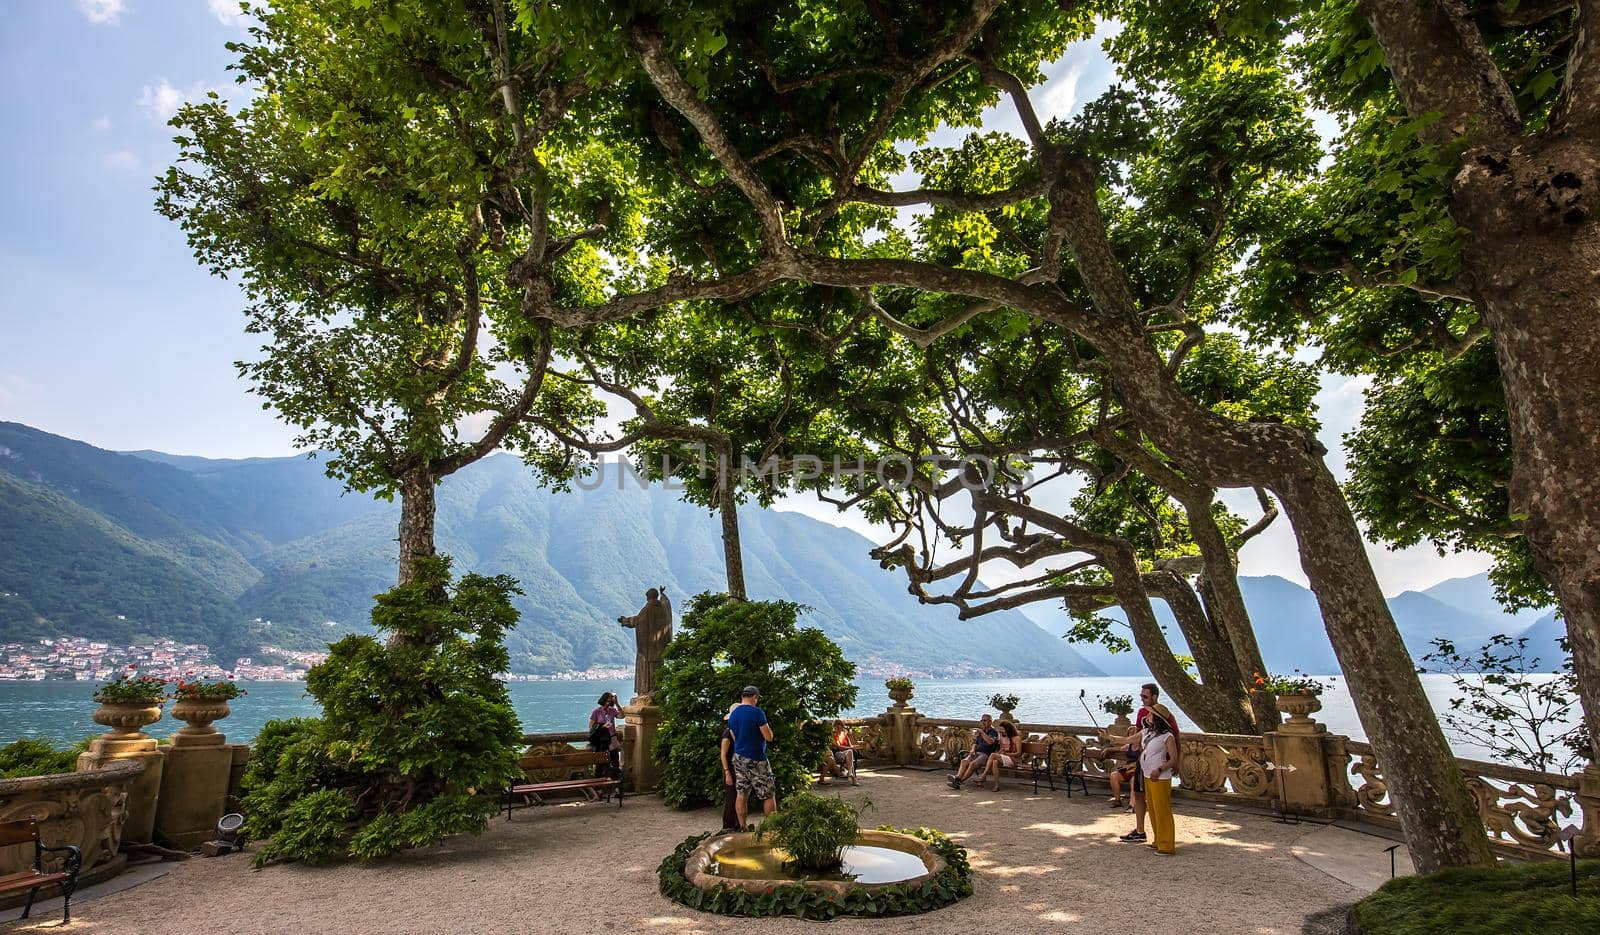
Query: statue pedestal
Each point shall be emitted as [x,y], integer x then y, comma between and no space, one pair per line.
[639,743]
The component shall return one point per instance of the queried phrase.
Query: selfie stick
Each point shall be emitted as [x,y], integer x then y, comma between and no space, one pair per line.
[1081,693]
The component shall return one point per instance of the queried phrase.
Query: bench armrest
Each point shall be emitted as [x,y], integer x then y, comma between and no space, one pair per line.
[74,861]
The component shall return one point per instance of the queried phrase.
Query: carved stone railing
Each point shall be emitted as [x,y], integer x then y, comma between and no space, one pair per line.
[871,737]
[1300,769]
[1523,810]
[87,809]
[563,742]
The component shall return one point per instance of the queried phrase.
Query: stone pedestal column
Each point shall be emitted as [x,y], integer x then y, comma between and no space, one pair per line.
[1298,750]
[904,734]
[194,786]
[639,743]
[127,741]
[1587,843]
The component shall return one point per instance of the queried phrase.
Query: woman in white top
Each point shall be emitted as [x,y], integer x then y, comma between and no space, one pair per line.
[1158,762]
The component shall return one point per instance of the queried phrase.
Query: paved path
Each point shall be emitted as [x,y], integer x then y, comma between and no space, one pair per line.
[1043,863]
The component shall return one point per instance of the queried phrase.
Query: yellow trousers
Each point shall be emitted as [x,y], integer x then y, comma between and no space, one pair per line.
[1158,806]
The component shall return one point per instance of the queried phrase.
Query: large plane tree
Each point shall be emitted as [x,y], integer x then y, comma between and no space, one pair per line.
[589,164]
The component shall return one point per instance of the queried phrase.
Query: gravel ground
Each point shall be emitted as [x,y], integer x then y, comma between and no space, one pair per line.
[1041,863]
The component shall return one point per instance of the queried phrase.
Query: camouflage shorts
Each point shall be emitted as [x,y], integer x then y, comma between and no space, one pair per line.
[752,778]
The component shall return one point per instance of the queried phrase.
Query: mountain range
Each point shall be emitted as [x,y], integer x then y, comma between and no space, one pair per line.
[236,553]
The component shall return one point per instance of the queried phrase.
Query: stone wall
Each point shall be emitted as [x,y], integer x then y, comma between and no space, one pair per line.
[86,809]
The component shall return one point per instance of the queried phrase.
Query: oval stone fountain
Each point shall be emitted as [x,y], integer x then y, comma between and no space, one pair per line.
[877,859]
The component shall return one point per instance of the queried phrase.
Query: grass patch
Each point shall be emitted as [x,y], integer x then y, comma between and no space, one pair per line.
[1520,898]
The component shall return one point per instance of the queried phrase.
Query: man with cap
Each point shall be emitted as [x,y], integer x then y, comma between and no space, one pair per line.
[752,774]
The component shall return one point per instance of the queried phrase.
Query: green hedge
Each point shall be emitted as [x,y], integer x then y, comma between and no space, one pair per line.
[1489,901]
[950,885]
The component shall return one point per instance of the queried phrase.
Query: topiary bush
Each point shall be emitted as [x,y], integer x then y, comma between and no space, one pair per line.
[417,734]
[723,645]
[814,829]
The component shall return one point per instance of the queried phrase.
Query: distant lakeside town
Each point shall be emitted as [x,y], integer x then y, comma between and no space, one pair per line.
[72,658]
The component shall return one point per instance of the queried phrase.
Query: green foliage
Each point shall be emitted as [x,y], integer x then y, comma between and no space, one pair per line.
[814,829]
[1297,684]
[899,683]
[30,757]
[1120,705]
[725,644]
[129,685]
[1530,897]
[1521,717]
[1003,703]
[950,885]
[417,734]
[207,689]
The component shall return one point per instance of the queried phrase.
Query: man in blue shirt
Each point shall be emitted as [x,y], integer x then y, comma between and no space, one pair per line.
[751,771]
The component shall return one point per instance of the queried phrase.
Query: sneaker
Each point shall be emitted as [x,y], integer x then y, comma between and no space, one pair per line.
[1132,836]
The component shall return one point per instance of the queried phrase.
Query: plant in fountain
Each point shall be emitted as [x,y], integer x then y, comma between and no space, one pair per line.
[412,732]
[814,830]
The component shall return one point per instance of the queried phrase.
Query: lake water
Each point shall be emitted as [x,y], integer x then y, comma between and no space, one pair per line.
[61,710]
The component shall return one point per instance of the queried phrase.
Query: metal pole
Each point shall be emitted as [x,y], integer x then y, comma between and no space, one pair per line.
[1391,849]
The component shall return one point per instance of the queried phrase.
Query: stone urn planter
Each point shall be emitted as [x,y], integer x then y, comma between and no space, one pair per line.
[1299,706]
[198,713]
[127,719]
[1120,726]
[900,694]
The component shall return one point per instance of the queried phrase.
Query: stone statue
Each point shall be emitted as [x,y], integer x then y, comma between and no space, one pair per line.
[652,627]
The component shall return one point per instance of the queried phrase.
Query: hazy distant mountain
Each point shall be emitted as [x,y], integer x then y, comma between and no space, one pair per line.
[1289,626]
[119,546]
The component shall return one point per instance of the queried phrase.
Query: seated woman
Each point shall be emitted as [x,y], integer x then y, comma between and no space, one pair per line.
[1010,753]
[842,753]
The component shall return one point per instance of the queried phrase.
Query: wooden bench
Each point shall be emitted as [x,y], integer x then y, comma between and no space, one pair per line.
[25,831]
[1033,763]
[593,788]
[1082,774]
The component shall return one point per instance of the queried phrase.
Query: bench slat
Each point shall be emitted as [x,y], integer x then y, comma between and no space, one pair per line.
[27,880]
[565,784]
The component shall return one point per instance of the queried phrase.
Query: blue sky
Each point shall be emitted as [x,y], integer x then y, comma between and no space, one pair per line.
[111,333]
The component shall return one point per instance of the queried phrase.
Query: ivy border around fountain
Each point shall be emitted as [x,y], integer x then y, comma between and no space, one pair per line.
[950,885]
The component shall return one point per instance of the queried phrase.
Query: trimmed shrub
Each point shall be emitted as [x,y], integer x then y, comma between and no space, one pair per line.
[413,730]
[723,645]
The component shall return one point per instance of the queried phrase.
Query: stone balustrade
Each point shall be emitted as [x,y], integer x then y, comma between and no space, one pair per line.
[1299,769]
[88,809]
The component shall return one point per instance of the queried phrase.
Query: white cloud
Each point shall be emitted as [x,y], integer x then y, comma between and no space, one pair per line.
[227,12]
[105,12]
[162,100]
[101,123]
[121,160]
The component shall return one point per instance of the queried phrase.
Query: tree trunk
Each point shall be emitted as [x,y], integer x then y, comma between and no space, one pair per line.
[1214,660]
[1440,818]
[1224,604]
[1533,261]
[732,552]
[417,506]
[1437,813]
